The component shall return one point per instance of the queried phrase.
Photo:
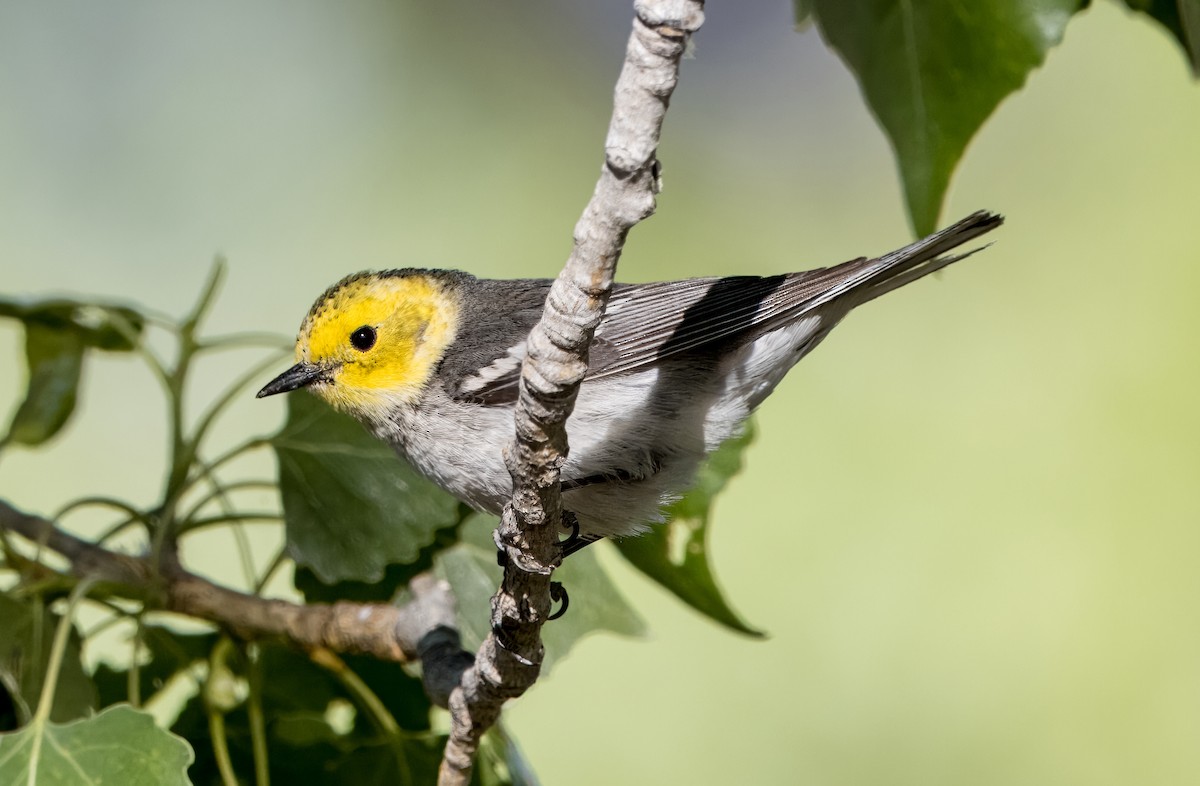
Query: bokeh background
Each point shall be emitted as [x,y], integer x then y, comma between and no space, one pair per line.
[970,521]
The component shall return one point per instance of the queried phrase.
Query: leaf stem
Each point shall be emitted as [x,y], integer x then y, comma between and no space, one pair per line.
[239,531]
[220,491]
[121,526]
[99,501]
[113,619]
[134,676]
[58,650]
[192,322]
[134,337]
[358,690]
[276,563]
[183,451]
[245,555]
[216,695]
[224,458]
[220,744]
[228,397]
[224,518]
[258,726]
[133,515]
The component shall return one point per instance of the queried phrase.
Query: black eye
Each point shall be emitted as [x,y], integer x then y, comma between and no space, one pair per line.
[363,338]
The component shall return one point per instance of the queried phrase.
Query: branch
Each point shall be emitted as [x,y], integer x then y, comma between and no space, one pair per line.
[422,629]
[510,657]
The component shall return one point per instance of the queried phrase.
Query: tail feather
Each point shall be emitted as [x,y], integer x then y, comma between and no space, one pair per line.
[917,260]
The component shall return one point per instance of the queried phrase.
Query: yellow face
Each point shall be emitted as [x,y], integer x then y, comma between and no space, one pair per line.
[372,341]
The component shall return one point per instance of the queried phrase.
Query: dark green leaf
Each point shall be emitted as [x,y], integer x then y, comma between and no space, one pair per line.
[54,359]
[395,577]
[56,334]
[351,505]
[596,604]
[1181,18]
[120,745]
[402,694]
[408,762]
[167,652]
[98,325]
[932,72]
[676,554]
[26,634]
[294,685]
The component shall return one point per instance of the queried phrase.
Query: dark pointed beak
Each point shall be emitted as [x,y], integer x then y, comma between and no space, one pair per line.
[298,376]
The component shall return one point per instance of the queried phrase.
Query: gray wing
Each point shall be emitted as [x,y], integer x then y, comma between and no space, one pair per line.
[646,323]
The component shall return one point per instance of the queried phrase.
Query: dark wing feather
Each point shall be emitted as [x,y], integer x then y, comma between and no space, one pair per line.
[645,323]
[484,363]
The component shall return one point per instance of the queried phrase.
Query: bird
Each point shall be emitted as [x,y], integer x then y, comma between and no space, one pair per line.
[430,361]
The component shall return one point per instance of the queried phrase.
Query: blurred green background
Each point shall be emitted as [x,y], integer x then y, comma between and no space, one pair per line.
[970,521]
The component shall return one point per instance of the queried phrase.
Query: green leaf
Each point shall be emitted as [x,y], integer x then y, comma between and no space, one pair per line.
[294,685]
[595,602]
[98,325]
[54,359]
[166,653]
[402,693]
[407,762]
[932,71]
[395,577]
[1181,18]
[120,745]
[676,554]
[26,635]
[351,506]
[56,334]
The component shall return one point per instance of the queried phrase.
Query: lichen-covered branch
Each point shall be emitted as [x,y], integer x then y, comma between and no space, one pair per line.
[510,658]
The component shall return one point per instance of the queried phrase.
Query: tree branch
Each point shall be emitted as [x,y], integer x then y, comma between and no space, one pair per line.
[422,629]
[510,657]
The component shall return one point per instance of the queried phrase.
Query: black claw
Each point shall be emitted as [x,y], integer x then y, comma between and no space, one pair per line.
[576,540]
[559,593]
[501,552]
[570,543]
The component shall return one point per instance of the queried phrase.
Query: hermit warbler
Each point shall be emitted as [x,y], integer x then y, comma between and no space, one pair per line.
[429,361]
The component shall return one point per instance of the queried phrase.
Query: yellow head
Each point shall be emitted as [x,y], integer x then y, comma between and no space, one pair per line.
[372,341]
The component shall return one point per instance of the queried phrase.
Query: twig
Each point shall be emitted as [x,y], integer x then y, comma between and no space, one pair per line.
[510,657]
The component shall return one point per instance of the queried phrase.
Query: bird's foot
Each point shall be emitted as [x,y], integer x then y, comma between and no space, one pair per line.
[569,545]
[559,593]
[572,542]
